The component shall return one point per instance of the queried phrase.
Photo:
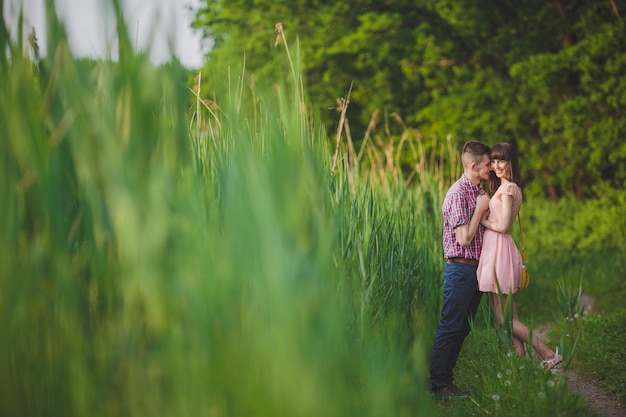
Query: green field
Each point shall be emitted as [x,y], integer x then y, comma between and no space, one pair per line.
[166,254]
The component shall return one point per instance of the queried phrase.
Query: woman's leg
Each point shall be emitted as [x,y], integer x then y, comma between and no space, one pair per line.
[520,331]
[520,347]
[497,302]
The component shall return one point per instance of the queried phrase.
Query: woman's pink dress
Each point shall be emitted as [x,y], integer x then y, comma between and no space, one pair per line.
[500,263]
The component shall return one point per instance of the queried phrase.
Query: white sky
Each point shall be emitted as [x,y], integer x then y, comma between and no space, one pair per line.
[160,26]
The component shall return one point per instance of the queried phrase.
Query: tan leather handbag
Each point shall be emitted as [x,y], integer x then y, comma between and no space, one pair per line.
[525,272]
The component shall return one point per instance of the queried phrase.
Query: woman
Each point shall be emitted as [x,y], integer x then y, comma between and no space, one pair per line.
[500,266]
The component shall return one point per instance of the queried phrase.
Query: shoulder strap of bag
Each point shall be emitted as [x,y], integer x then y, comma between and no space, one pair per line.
[521,235]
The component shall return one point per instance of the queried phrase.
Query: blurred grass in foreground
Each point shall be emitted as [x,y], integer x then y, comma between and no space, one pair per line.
[155,263]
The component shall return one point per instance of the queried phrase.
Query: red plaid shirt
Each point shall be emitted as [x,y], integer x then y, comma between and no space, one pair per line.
[458,208]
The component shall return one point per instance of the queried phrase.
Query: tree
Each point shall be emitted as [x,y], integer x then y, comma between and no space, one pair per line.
[546,75]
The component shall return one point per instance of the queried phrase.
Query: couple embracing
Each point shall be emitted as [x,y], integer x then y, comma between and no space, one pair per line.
[481,256]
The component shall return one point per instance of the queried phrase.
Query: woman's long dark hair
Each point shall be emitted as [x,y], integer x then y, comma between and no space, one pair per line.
[504,151]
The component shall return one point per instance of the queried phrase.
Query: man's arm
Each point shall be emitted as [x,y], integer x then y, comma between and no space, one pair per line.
[465,233]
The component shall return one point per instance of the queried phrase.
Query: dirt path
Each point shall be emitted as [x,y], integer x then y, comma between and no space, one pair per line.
[600,402]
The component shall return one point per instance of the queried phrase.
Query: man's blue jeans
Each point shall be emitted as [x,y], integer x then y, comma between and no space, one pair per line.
[460,302]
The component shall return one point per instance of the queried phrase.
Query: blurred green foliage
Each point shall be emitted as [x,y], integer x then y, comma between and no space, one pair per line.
[159,259]
[548,76]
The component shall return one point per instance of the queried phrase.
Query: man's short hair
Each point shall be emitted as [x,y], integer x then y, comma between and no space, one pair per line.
[473,151]
[476,148]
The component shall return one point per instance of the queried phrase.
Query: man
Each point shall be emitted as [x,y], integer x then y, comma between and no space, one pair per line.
[464,206]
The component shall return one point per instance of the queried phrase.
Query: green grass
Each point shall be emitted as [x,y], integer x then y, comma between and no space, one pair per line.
[600,351]
[502,383]
[161,255]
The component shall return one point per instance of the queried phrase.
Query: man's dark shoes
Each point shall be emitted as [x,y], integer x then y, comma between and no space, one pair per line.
[451,392]
[458,391]
[444,394]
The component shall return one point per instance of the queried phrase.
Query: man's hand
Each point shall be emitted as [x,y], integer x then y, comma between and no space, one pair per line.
[482,204]
[465,233]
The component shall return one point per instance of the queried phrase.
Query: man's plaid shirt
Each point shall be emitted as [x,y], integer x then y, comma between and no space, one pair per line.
[458,208]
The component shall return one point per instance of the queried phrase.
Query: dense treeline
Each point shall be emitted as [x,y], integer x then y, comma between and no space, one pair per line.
[548,75]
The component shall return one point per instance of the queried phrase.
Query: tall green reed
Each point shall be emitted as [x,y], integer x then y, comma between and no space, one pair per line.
[157,264]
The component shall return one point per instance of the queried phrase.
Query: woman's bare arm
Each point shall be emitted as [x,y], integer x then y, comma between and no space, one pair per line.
[506,217]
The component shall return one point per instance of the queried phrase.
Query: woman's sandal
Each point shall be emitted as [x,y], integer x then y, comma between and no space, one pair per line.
[554,363]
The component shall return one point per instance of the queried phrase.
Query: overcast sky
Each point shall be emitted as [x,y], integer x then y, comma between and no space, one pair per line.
[161,26]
